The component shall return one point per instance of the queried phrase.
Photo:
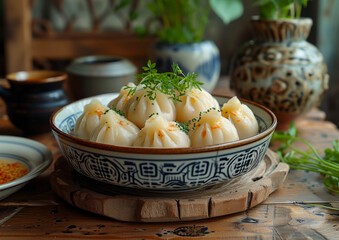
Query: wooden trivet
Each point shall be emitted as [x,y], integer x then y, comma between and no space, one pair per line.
[137,206]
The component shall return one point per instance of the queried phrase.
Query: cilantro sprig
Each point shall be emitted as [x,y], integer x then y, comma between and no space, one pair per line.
[309,160]
[174,84]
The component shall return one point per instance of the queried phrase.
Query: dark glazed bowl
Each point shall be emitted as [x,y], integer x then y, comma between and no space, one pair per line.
[32,97]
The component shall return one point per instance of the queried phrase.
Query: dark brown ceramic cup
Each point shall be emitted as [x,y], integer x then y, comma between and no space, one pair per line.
[32,97]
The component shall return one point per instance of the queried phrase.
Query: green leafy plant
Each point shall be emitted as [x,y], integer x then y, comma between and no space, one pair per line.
[280,9]
[175,84]
[309,160]
[184,21]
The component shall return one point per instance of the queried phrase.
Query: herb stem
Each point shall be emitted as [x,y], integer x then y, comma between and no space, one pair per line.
[328,166]
[317,158]
[174,84]
[310,160]
[318,205]
[284,137]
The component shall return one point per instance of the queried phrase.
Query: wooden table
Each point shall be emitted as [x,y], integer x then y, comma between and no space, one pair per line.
[35,212]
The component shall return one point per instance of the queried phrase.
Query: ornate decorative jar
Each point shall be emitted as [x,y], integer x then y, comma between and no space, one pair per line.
[280,69]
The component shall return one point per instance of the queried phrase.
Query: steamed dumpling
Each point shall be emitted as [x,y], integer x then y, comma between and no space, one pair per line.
[139,108]
[212,128]
[160,133]
[241,116]
[193,103]
[119,102]
[89,119]
[115,129]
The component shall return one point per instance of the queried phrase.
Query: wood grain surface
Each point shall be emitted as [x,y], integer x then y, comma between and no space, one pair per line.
[287,221]
[36,212]
[233,196]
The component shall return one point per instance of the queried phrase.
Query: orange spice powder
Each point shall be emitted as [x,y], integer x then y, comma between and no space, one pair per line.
[9,171]
[160,134]
[203,134]
[99,113]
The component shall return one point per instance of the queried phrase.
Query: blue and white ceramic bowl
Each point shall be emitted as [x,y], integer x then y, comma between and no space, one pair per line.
[34,155]
[161,169]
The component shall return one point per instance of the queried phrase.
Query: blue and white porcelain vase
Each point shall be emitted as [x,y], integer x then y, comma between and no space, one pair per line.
[202,58]
[280,69]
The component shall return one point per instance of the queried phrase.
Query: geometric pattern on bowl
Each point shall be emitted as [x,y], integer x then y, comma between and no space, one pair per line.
[165,170]
[186,173]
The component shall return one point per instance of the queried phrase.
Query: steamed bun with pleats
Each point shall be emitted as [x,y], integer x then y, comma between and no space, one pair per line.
[211,128]
[161,133]
[193,103]
[115,129]
[241,116]
[119,102]
[89,119]
[140,107]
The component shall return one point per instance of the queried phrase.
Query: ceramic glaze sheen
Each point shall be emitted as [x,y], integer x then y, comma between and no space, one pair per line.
[32,97]
[93,75]
[161,169]
[32,154]
[202,58]
[280,69]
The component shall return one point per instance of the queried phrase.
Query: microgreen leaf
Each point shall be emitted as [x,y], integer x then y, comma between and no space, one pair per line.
[174,84]
[183,127]
[117,111]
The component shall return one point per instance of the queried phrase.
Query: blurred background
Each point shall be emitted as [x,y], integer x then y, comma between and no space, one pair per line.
[49,34]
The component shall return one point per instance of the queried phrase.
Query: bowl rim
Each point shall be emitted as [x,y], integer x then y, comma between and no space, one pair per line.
[49,76]
[150,150]
[48,159]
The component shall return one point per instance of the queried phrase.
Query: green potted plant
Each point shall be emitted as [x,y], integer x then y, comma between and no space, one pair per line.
[179,26]
[279,68]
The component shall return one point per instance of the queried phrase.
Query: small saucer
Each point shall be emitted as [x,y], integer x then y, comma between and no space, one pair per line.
[36,156]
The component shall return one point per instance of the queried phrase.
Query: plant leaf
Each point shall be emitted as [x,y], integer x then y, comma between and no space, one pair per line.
[309,160]
[274,9]
[332,183]
[332,155]
[227,10]
[268,10]
[284,3]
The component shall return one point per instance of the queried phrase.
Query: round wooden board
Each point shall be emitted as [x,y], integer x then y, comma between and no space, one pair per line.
[137,206]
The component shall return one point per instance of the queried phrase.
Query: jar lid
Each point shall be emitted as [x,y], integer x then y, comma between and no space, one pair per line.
[101,66]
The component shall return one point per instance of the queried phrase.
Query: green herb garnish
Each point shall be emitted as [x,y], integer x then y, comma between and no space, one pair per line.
[193,123]
[153,114]
[309,160]
[182,126]
[174,84]
[117,111]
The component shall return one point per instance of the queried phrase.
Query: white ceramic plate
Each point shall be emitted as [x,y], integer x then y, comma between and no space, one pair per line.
[36,156]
